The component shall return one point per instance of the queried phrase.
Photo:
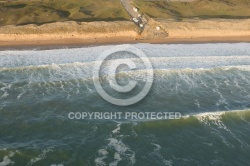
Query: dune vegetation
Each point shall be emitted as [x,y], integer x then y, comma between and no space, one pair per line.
[203,9]
[21,12]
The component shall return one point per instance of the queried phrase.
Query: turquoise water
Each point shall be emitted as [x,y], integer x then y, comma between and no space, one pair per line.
[209,84]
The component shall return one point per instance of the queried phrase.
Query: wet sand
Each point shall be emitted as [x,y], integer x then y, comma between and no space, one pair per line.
[77,42]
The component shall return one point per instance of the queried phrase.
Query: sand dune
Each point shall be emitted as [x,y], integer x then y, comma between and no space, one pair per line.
[62,30]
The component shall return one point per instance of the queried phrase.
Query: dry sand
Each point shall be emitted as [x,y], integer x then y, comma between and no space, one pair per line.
[207,28]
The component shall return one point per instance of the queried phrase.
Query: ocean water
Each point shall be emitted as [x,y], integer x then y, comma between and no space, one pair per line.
[209,84]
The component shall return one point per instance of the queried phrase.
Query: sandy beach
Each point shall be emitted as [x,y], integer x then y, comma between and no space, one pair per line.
[119,32]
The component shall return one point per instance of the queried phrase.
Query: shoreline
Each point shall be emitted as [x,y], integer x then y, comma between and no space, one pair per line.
[78,42]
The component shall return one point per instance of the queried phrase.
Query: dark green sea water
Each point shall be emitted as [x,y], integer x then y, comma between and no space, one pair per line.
[209,84]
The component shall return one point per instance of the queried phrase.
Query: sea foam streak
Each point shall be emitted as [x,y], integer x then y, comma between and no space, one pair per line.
[88,54]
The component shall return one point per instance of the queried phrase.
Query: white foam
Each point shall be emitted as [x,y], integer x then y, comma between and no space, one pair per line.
[4,89]
[117,130]
[118,145]
[20,95]
[103,153]
[197,103]
[174,54]
[39,157]
[7,161]
[122,151]
[5,94]
[117,158]
[158,154]
[214,115]
[215,118]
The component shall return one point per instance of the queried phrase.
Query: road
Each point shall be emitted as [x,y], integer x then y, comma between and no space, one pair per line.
[129,8]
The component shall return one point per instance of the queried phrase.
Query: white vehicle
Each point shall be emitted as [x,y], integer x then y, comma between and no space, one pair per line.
[135,20]
[135,9]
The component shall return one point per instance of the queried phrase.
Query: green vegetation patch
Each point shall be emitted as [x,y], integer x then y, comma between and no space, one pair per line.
[204,9]
[21,12]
